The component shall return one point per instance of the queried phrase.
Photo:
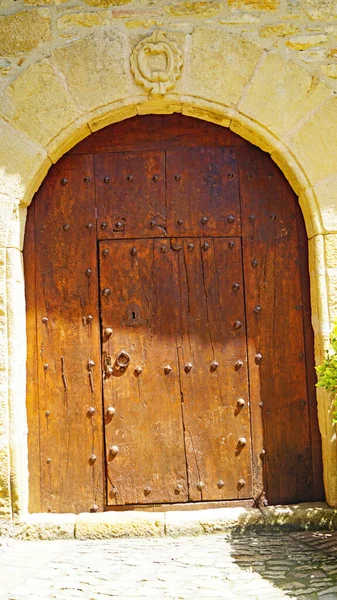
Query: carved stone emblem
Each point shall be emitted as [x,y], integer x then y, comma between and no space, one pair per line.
[156,63]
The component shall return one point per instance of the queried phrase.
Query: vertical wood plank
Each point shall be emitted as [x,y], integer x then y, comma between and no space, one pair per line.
[147,460]
[202,192]
[275,329]
[70,408]
[130,191]
[210,275]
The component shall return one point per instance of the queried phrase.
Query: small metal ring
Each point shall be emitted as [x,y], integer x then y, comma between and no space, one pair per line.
[126,360]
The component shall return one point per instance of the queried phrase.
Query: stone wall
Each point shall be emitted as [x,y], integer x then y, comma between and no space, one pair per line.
[265,68]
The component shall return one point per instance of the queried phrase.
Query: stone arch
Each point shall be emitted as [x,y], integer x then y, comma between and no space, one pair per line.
[226,79]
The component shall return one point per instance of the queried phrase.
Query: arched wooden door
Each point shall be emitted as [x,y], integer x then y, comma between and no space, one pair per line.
[170,350]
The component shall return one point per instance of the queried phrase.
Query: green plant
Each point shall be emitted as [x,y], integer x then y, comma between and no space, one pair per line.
[327,371]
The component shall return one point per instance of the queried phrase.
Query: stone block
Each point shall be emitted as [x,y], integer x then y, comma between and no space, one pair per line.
[71,24]
[119,524]
[281,93]
[278,30]
[216,520]
[195,9]
[304,42]
[220,65]
[326,195]
[106,3]
[330,70]
[38,103]
[319,10]
[24,163]
[23,31]
[42,527]
[268,5]
[96,68]
[314,144]
[309,515]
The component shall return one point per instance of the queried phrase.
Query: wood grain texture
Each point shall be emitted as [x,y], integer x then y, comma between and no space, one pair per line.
[147,426]
[67,338]
[273,283]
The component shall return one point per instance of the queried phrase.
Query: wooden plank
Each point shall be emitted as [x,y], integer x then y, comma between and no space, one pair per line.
[68,337]
[211,303]
[274,314]
[33,415]
[147,425]
[130,195]
[157,132]
[202,192]
[316,440]
[246,503]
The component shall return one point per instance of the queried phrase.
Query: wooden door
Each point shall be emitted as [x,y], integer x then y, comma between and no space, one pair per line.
[170,349]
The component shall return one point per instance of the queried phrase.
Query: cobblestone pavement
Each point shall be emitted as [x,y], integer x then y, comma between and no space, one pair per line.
[259,566]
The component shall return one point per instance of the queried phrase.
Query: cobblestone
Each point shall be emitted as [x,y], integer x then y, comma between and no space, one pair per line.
[250,566]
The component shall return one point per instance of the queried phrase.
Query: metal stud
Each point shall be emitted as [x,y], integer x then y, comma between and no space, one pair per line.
[129,178]
[104,225]
[155,178]
[152,223]
[188,367]
[119,225]
[45,366]
[64,181]
[163,249]
[177,177]
[105,252]
[114,450]
[262,454]
[91,364]
[220,484]
[92,458]
[106,179]
[252,218]
[257,309]
[138,370]
[230,219]
[133,251]
[236,287]
[89,319]
[214,365]
[45,320]
[231,245]
[86,179]
[254,262]
[106,292]
[258,358]
[94,508]
[108,331]
[110,411]
[241,483]
[178,489]
[200,485]
[272,217]
[204,220]
[237,325]
[238,365]
[89,226]
[66,227]
[147,490]
[167,369]
[90,411]
[190,246]
[205,246]
[88,272]
[48,461]
[242,441]
[47,413]
[240,402]
[230,175]
[180,222]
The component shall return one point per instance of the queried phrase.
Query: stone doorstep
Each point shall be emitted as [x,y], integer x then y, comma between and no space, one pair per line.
[87,526]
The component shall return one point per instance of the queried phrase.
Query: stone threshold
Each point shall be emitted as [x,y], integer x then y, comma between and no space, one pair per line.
[87,526]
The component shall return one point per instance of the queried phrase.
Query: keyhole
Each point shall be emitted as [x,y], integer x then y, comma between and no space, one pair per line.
[133,315]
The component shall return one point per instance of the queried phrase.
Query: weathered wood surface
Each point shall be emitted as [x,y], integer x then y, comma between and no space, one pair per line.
[177,430]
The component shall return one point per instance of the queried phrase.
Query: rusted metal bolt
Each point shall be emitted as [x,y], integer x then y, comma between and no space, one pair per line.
[230,219]
[180,222]
[66,227]
[105,252]
[133,251]
[88,272]
[241,403]
[214,365]
[147,490]
[254,262]
[90,411]
[177,177]
[155,178]
[167,369]
[45,320]
[237,325]
[106,179]
[104,225]
[258,358]
[190,246]
[241,484]
[236,287]
[238,365]
[92,458]
[188,367]
[242,441]
[138,370]
[48,461]
[200,485]
[231,245]
[110,411]
[64,181]
[204,220]
[178,489]
[114,450]
[106,292]
[129,178]
[220,484]
[205,246]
